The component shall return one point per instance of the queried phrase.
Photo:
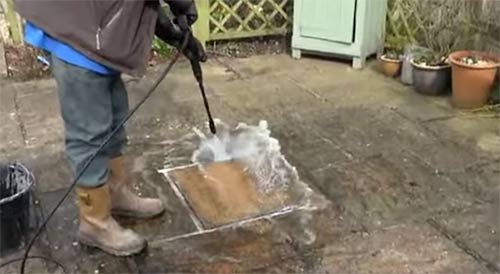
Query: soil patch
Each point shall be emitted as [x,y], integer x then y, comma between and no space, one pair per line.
[244,48]
[22,63]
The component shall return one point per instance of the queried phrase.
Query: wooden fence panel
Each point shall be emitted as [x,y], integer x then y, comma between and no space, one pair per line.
[13,23]
[233,19]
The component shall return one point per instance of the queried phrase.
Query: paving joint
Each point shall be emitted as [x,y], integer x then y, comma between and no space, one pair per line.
[439,118]
[230,68]
[462,245]
[283,212]
[131,265]
[201,230]
[427,129]
[440,174]
[192,214]
[19,120]
[478,165]
[308,90]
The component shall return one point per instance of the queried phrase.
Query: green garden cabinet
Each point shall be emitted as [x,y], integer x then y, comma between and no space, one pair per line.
[344,28]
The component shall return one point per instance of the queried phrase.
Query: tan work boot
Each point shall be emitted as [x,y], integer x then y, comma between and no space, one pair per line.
[99,229]
[123,201]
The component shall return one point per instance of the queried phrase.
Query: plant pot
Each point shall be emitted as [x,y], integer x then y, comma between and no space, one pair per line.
[431,80]
[390,67]
[472,84]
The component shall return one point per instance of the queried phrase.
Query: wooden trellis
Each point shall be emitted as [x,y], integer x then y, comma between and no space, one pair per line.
[406,21]
[232,19]
[403,21]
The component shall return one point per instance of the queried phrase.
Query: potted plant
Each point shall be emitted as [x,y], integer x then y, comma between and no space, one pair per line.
[390,61]
[431,68]
[431,73]
[473,77]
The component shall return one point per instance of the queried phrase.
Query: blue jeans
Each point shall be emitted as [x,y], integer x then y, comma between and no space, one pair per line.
[92,105]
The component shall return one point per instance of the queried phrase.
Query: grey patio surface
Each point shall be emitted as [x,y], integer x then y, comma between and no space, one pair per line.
[408,184]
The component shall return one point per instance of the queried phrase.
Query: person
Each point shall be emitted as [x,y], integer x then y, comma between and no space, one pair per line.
[91,43]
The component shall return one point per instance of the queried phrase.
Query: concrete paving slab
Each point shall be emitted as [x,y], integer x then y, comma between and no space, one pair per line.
[163,118]
[12,132]
[398,180]
[421,108]
[39,113]
[381,192]
[52,173]
[375,133]
[34,87]
[306,145]
[257,66]
[61,242]
[267,92]
[480,179]
[348,88]
[179,86]
[147,182]
[467,128]
[476,231]
[408,248]
[241,250]
[223,193]
[279,65]
[32,265]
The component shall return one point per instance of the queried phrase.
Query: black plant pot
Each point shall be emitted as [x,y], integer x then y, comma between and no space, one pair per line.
[431,80]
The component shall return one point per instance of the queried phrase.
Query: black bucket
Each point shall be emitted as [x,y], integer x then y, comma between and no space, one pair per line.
[16,182]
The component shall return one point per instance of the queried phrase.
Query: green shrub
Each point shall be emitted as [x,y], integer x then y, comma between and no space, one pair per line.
[161,48]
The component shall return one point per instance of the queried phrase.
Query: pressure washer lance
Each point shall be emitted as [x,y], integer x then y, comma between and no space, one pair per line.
[197,71]
[198,74]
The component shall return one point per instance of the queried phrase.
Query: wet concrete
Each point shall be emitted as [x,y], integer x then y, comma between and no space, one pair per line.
[406,183]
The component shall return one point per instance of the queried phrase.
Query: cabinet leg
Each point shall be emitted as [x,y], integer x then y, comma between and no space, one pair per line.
[358,62]
[296,53]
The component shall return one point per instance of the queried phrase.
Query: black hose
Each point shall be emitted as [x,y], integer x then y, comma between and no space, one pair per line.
[99,149]
[47,259]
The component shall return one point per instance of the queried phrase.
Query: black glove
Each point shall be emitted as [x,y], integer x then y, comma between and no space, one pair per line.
[183,8]
[172,34]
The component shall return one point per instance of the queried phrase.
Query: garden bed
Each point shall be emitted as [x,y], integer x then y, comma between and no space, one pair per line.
[244,48]
[22,63]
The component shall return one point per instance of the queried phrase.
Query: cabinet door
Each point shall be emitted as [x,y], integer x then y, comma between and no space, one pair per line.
[328,19]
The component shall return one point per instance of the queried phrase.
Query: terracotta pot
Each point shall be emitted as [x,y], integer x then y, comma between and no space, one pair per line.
[390,67]
[431,80]
[472,84]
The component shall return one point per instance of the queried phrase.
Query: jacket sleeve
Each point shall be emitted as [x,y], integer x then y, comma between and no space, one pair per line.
[166,30]
[184,7]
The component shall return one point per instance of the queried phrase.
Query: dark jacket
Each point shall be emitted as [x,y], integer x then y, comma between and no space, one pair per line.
[116,33]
